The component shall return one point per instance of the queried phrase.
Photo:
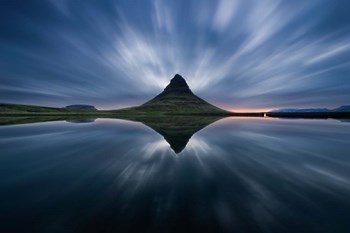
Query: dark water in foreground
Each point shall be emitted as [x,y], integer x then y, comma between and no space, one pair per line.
[235,175]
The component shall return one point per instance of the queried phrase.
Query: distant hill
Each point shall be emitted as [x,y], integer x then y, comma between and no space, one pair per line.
[20,109]
[344,108]
[341,112]
[301,110]
[177,98]
[81,107]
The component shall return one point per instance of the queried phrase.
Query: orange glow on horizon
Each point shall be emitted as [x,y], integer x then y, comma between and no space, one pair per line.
[249,110]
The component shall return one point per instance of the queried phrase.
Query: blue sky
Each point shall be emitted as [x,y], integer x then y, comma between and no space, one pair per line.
[237,54]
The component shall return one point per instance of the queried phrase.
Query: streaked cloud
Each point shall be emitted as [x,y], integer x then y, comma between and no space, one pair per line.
[224,14]
[237,54]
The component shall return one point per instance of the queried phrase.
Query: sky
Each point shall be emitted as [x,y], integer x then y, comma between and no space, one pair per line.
[237,54]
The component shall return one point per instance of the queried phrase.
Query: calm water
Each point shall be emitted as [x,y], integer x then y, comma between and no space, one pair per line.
[235,175]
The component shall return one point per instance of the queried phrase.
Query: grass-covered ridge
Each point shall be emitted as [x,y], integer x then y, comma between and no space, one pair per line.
[20,109]
[175,103]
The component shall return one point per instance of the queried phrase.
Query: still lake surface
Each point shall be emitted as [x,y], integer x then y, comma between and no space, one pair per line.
[234,175]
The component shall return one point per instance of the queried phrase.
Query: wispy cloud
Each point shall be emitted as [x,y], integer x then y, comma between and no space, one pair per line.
[258,53]
[224,14]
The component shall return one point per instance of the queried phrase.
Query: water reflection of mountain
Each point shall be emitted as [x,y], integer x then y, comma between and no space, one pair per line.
[177,130]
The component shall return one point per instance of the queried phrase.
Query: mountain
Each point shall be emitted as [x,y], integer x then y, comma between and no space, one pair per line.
[344,108]
[178,99]
[301,110]
[337,113]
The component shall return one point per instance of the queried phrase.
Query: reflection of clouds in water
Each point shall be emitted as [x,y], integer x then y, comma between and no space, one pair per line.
[152,161]
[152,156]
[198,146]
[158,146]
[283,155]
[303,161]
[238,175]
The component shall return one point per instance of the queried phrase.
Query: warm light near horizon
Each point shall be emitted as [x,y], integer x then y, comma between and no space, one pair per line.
[248,110]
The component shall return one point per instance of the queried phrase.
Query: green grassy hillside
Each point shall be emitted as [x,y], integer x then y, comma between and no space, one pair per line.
[19,109]
[184,103]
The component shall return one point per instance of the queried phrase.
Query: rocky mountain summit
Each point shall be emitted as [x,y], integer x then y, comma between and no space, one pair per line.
[177,85]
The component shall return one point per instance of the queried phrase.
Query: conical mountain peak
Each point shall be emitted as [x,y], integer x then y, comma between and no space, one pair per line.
[178,83]
[178,78]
